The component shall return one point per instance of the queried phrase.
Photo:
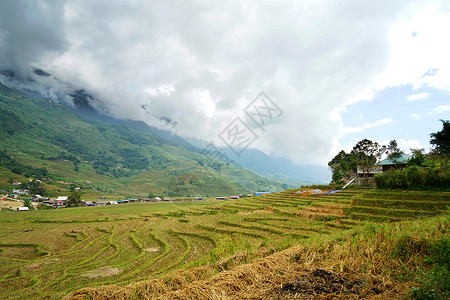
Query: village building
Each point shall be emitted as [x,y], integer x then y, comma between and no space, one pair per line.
[381,167]
[156,199]
[21,192]
[59,202]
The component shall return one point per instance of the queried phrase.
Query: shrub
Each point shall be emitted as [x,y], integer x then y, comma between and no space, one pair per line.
[434,283]
[407,246]
[432,175]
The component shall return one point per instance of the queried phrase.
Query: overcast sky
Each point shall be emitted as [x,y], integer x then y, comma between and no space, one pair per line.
[337,71]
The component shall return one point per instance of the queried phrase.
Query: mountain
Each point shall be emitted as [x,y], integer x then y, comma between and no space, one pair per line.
[140,126]
[102,154]
[279,168]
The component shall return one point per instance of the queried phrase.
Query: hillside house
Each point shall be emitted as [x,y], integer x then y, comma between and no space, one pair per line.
[381,167]
[23,208]
[20,192]
[62,199]
[103,203]
[387,164]
[155,199]
[59,202]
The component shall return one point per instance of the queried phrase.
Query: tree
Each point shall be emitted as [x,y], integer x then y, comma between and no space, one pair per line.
[393,151]
[366,153]
[34,186]
[441,139]
[27,203]
[417,158]
[342,165]
[75,198]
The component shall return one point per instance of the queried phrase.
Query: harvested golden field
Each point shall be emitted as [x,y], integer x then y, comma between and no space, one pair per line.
[275,246]
[10,204]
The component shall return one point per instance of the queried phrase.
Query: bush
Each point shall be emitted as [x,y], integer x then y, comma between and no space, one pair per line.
[433,175]
[434,283]
[407,246]
[43,206]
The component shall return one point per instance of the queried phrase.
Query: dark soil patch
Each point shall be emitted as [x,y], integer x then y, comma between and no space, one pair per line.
[322,282]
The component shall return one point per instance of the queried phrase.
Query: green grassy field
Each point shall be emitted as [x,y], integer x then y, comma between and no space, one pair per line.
[47,254]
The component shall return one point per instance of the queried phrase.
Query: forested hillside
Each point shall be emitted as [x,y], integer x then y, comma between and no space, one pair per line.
[43,139]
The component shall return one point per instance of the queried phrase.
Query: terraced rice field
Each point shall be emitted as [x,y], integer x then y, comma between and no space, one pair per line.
[47,254]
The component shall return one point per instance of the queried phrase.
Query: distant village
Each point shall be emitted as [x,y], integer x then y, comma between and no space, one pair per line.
[20,195]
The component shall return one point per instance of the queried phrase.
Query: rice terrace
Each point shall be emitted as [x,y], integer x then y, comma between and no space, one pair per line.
[220,150]
[357,243]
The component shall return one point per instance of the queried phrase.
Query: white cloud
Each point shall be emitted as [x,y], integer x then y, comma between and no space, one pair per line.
[413,55]
[418,96]
[415,116]
[377,123]
[200,63]
[407,145]
[439,110]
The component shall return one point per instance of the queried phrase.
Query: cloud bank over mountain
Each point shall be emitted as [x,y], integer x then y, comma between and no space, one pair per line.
[194,67]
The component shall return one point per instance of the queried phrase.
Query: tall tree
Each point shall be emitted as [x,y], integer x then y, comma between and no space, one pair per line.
[366,153]
[27,203]
[342,166]
[393,152]
[34,186]
[417,158]
[75,198]
[441,139]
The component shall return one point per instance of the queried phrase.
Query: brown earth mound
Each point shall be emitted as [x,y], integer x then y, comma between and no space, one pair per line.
[258,211]
[102,272]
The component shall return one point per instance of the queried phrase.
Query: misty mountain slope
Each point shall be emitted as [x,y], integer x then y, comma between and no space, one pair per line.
[113,157]
[279,168]
[140,126]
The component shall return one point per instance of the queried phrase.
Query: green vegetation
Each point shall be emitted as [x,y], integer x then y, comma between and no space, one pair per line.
[441,139]
[27,203]
[432,174]
[421,172]
[75,198]
[434,279]
[59,249]
[364,154]
[9,162]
